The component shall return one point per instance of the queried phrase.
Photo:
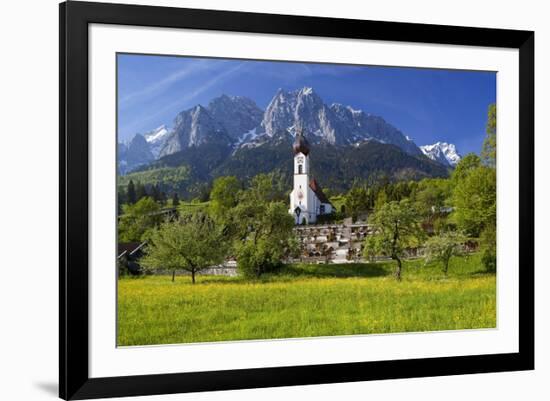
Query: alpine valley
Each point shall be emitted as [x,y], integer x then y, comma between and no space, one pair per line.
[233,136]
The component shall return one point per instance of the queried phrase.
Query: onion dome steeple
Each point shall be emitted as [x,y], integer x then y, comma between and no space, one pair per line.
[301,144]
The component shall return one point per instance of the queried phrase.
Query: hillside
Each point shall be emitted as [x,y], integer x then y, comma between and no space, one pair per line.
[335,167]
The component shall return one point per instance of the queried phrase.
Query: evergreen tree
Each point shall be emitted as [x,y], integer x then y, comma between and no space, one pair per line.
[141,191]
[131,193]
[121,199]
[175,200]
[163,198]
[155,193]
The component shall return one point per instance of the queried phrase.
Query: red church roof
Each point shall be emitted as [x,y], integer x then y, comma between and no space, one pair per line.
[318,191]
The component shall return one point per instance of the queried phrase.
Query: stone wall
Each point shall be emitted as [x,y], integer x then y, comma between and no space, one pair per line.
[332,243]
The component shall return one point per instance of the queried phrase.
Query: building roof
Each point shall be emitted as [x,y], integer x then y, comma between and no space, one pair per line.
[318,191]
[301,144]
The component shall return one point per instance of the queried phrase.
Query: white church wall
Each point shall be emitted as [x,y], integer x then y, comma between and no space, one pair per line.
[303,160]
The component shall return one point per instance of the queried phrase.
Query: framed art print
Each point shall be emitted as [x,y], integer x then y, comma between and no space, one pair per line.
[253,200]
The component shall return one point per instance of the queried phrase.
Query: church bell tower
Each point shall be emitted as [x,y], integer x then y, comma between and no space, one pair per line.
[301,202]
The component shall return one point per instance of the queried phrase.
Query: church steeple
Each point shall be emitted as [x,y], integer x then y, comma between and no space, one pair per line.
[301,144]
[307,200]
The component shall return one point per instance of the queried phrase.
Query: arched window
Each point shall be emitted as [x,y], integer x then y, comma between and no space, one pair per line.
[299,169]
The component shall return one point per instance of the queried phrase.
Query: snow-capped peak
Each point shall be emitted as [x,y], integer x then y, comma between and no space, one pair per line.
[354,111]
[442,152]
[307,90]
[156,135]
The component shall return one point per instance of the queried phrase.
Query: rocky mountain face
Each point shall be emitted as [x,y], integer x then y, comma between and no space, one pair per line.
[336,124]
[442,152]
[156,139]
[229,124]
[238,115]
[133,154]
[193,128]
[224,122]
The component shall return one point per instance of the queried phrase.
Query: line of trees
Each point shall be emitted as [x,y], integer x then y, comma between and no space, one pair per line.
[134,192]
[450,210]
[251,223]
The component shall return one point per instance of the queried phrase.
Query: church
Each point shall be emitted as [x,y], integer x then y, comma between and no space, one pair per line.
[307,200]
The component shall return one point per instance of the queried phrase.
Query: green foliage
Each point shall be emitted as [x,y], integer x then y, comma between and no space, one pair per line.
[488,241]
[138,219]
[395,228]
[131,193]
[186,208]
[192,243]
[465,165]
[191,172]
[224,195]
[268,188]
[175,200]
[356,202]
[432,194]
[141,191]
[489,150]
[261,227]
[307,301]
[474,199]
[381,200]
[169,179]
[265,236]
[441,248]
[431,198]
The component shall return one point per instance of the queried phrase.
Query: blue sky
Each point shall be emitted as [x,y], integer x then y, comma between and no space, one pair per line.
[426,104]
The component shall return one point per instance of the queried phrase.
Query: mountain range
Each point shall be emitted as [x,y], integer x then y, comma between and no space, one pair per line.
[232,135]
[442,152]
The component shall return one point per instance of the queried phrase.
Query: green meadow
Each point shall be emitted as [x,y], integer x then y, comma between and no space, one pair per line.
[307,301]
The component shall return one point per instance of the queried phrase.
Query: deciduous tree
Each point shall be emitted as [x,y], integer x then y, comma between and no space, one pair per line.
[489,151]
[395,228]
[474,199]
[356,202]
[224,195]
[464,166]
[137,219]
[442,247]
[262,229]
[192,243]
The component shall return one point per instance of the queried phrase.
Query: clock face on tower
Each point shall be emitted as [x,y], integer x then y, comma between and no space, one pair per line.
[300,194]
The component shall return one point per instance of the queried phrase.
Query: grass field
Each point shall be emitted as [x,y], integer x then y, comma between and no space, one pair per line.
[306,301]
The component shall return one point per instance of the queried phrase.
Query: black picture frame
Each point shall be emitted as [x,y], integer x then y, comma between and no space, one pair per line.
[74,380]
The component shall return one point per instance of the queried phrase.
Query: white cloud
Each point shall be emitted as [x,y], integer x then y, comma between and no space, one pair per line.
[165,83]
[187,100]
